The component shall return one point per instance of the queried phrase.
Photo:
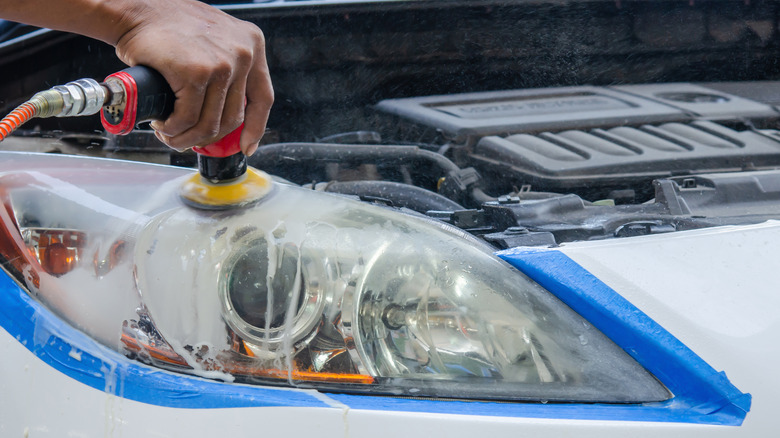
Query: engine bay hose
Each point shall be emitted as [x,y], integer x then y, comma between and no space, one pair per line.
[401,195]
[269,156]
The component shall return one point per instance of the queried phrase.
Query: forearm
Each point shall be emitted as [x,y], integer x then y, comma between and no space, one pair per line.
[214,63]
[105,20]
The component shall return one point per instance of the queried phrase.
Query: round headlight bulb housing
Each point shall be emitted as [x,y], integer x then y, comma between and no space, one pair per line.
[265,297]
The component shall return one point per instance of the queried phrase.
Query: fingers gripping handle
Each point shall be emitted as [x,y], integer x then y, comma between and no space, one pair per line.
[141,94]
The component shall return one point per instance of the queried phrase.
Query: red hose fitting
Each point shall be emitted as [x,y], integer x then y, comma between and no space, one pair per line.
[144,96]
[120,119]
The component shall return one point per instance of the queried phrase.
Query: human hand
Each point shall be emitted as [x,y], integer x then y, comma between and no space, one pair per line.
[214,63]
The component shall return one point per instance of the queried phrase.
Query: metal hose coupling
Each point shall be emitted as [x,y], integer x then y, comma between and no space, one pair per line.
[78,98]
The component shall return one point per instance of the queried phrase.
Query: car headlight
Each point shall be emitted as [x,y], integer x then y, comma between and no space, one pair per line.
[304,289]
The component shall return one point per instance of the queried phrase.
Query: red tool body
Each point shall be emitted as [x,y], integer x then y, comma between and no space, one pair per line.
[147,96]
[224,182]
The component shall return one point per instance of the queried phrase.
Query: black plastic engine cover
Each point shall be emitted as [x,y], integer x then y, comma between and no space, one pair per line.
[616,137]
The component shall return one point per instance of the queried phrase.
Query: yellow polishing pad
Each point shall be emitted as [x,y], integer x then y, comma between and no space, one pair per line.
[240,192]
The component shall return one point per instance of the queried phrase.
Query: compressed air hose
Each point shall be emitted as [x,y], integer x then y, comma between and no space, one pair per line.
[78,98]
[17,118]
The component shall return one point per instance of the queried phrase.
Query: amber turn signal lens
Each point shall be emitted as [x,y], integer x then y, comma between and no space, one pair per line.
[58,251]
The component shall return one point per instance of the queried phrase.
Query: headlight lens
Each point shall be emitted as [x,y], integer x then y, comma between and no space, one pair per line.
[304,289]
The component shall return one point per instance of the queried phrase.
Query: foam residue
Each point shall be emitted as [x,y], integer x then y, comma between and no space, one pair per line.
[75,354]
[97,305]
[198,363]
[178,279]
[87,200]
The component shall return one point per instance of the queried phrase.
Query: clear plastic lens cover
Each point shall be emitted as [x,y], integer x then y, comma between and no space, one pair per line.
[304,289]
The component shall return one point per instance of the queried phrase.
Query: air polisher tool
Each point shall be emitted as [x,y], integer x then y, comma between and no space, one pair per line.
[140,94]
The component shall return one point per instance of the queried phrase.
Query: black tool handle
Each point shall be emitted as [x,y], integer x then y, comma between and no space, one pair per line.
[155,97]
[147,96]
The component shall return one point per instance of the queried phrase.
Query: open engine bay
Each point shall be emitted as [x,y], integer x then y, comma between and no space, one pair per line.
[518,158]
[547,166]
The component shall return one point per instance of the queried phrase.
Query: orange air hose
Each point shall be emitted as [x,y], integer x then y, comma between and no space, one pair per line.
[16,118]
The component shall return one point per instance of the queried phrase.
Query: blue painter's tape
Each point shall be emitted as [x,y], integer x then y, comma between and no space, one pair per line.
[78,356]
[698,389]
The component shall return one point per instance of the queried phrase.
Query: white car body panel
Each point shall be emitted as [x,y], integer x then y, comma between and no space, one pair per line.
[711,289]
[716,290]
